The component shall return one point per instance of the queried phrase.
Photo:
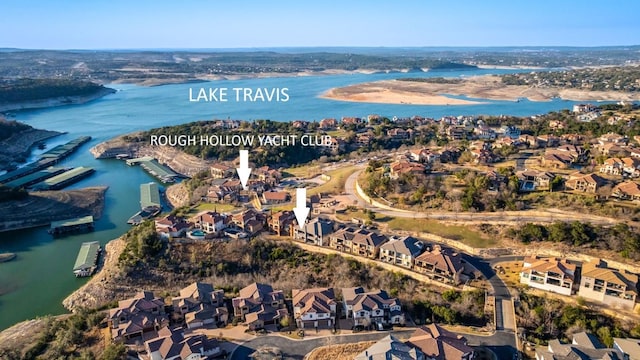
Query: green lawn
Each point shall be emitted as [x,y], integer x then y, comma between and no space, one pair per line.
[336,184]
[210,207]
[456,232]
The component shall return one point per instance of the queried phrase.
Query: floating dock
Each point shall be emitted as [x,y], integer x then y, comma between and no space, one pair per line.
[61,151]
[36,177]
[87,260]
[84,223]
[150,204]
[66,178]
[47,159]
[153,167]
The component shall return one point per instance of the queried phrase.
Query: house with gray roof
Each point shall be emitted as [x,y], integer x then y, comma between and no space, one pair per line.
[316,231]
[630,348]
[199,304]
[390,347]
[401,251]
[367,308]
[258,304]
[583,346]
[441,265]
[136,316]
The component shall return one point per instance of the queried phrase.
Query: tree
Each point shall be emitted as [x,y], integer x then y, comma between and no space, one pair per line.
[115,351]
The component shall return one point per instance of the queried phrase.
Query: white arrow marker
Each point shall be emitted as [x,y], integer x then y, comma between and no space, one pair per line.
[244,171]
[301,210]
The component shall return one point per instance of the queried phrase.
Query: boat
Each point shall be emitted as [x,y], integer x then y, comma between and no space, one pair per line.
[6,257]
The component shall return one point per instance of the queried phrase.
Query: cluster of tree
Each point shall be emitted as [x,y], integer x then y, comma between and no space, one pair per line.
[456,308]
[546,318]
[67,338]
[9,128]
[433,80]
[9,193]
[142,245]
[19,90]
[621,238]
[624,78]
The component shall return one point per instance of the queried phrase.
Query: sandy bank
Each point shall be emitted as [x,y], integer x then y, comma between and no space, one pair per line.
[488,87]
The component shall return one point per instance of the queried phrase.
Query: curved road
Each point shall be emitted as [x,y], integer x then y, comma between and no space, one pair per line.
[538,216]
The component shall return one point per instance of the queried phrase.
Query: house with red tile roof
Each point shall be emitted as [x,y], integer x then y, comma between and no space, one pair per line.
[589,183]
[136,316]
[549,274]
[628,190]
[259,305]
[438,343]
[174,345]
[440,264]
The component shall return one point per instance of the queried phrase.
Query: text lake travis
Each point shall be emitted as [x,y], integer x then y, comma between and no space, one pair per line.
[237,140]
[239,94]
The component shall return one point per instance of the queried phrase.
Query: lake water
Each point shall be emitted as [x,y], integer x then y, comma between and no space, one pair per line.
[40,278]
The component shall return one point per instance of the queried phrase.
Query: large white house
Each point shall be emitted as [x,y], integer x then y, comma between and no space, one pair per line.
[549,274]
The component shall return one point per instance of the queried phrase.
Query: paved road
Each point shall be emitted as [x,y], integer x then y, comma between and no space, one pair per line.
[297,349]
[515,217]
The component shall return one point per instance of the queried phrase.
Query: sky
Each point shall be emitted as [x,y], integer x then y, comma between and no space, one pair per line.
[146,24]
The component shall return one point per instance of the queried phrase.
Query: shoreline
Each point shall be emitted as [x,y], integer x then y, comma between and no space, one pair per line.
[484,87]
[55,102]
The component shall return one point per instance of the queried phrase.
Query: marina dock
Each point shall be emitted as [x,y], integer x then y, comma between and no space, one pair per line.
[87,260]
[153,167]
[84,223]
[36,177]
[66,178]
[47,159]
[150,204]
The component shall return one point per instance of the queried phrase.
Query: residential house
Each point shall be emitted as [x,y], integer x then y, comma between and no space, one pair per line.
[441,265]
[401,251]
[357,241]
[577,153]
[584,108]
[390,347]
[531,180]
[371,308]
[275,197]
[483,156]
[423,155]
[450,154]
[259,305]
[630,166]
[282,222]
[438,343]
[222,194]
[173,345]
[589,183]
[612,149]
[328,124]
[399,134]
[616,288]
[300,124]
[549,274]
[349,120]
[250,221]
[211,222]
[583,346]
[612,138]
[628,190]
[172,226]
[221,171]
[314,308]
[557,161]
[456,133]
[367,243]
[316,231]
[484,133]
[630,348]
[557,125]
[399,168]
[136,316]
[364,139]
[199,304]
[269,176]
[548,140]
[510,131]
[612,166]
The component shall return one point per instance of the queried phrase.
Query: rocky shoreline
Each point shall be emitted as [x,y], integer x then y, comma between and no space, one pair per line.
[18,146]
[57,101]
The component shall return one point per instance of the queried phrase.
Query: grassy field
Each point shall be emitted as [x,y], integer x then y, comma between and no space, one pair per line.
[221,208]
[306,171]
[336,184]
[456,232]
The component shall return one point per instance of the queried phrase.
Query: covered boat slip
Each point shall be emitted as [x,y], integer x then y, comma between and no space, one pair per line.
[84,223]
[150,204]
[87,260]
[153,167]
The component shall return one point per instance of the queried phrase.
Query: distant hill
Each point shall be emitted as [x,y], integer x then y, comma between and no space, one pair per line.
[25,90]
